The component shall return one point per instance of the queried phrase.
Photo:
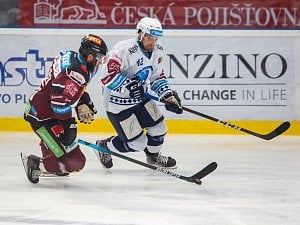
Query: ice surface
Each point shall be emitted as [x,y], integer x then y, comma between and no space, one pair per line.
[257,182]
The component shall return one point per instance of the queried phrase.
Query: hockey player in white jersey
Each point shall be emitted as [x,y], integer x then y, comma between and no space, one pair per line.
[134,67]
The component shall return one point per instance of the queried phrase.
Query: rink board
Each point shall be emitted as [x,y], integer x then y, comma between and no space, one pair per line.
[174,126]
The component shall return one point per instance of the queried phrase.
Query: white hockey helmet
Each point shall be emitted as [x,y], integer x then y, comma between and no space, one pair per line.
[150,26]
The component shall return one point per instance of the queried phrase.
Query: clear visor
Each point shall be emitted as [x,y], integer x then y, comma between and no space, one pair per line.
[100,57]
[151,38]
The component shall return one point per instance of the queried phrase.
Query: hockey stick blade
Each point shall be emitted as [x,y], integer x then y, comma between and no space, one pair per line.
[274,133]
[279,130]
[196,178]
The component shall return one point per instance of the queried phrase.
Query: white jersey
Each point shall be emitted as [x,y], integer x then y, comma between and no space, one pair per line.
[127,61]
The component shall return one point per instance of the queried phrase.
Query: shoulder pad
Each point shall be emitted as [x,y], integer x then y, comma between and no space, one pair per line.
[77,70]
[77,77]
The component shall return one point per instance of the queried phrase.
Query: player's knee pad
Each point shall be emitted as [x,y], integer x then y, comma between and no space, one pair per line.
[155,140]
[73,161]
[156,137]
[70,162]
[138,144]
[129,129]
[159,129]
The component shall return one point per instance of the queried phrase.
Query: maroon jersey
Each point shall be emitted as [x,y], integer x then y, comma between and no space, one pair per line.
[62,88]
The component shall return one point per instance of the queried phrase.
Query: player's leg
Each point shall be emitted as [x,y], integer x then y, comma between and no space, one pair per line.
[71,161]
[130,125]
[130,136]
[57,159]
[151,118]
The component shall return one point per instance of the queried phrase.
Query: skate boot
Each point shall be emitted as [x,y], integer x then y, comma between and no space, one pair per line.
[33,171]
[159,160]
[103,157]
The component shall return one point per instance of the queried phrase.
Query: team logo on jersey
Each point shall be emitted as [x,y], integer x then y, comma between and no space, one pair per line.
[113,66]
[70,89]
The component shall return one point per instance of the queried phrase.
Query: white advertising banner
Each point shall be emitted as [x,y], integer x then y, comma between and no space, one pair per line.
[235,77]
[248,78]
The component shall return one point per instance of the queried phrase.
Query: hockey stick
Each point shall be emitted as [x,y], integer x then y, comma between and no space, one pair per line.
[196,178]
[279,130]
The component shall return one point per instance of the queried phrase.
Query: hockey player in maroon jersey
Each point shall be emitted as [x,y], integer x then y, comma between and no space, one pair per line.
[49,110]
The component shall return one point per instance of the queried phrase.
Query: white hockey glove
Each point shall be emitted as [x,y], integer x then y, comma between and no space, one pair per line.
[85,114]
[85,109]
[172,102]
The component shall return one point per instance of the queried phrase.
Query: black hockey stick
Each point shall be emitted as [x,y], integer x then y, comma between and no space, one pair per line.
[279,130]
[196,178]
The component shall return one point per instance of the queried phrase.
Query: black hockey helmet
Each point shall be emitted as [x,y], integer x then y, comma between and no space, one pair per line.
[93,44]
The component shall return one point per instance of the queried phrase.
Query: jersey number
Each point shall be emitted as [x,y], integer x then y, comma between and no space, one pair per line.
[140,62]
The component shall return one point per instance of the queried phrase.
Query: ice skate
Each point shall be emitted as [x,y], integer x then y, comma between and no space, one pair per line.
[31,165]
[159,160]
[104,158]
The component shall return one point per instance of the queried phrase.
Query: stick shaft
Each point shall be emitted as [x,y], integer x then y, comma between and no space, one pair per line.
[276,132]
[158,169]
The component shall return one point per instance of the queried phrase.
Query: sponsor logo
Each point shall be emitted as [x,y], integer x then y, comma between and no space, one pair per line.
[61,110]
[133,49]
[77,76]
[68,12]
[193,14]
[30,69]
[156,33]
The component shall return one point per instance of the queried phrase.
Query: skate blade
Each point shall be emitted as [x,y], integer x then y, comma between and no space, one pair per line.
[43,174]
[24,159]
[53,175]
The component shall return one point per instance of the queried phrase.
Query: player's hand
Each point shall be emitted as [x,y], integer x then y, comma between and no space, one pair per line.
[172,102]
[84,114]
[136,90]
[85,109]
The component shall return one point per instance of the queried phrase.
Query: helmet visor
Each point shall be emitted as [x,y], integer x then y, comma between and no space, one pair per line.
[99,57]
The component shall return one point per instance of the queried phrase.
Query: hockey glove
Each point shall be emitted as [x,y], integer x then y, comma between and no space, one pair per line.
[172,102]
[136,90]
[85,109]
[70,131]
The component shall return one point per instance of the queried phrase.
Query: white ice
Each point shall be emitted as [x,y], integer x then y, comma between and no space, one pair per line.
[257,182]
